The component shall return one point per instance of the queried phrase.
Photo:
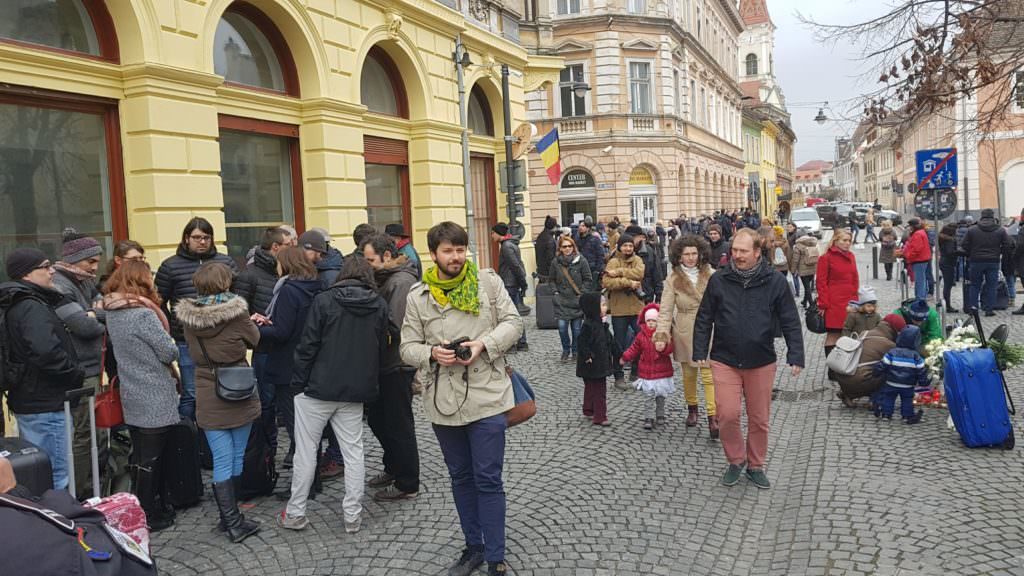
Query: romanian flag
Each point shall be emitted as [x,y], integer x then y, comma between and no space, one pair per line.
[548,149]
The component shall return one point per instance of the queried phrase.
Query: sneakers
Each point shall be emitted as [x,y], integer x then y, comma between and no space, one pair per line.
[496,568]
[758,478]
[331,469]
[291,522]
[381,480]
[470,560]
[392,494]
[352,526]
[732,475]
[648,423]
[620,384]
[915,418]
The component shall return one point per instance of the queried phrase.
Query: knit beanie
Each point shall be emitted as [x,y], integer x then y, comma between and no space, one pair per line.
[550,223]
[634,230]
[624,239]
[78,247]
[896,322]
[21,261]
[651,314]
[501,229]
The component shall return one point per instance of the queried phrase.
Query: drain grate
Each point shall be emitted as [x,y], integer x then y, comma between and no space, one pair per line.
[794,396]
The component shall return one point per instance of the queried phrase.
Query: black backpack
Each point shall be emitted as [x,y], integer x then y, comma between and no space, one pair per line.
[11,371]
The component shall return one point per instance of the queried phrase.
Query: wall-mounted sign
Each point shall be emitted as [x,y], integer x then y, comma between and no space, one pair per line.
[577,179]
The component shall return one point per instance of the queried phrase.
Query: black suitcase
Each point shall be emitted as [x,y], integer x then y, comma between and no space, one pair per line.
[182,474]
[546,307]
[31,464]
[1002,296]
[259,476]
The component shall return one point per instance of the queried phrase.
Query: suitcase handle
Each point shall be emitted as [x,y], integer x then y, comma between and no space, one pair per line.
[78,393]
[69,397]
[984,343]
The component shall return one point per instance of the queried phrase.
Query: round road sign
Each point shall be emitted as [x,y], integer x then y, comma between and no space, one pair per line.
[928,202]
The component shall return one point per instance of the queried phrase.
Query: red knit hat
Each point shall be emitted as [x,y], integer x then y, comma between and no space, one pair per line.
[896,322]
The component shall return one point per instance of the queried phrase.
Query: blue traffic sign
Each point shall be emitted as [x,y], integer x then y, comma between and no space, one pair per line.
[936,168]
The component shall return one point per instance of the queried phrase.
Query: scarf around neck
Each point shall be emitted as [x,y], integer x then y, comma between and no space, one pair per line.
[746,275]
[76,273]
[269,312]
[212,299]
[461,291]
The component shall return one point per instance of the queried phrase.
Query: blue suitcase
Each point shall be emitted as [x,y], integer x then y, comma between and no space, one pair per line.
[976,394]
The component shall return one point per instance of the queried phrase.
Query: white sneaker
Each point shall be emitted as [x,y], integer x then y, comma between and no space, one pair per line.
[353,526]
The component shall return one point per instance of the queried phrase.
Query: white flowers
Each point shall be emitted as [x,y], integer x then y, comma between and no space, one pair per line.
[962,338]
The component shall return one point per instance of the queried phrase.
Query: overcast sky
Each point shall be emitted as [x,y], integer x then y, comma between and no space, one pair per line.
[810,72]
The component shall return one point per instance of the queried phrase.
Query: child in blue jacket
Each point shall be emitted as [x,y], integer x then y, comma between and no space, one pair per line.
[902,368]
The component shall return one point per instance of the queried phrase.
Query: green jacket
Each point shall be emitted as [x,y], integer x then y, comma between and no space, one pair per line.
[931,329]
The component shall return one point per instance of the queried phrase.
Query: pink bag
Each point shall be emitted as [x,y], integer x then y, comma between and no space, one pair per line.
[124,512]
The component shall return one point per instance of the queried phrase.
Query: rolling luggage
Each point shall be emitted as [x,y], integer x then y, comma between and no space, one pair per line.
[978,398]
[182,473]
[31,464]
[546,307]
[259,476]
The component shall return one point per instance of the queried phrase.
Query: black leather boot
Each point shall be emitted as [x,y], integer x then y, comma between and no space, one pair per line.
[144,486]
[236,526]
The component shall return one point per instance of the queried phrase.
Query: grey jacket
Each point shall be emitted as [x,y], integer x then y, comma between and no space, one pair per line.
[86,331]
[144,353]
[510,265]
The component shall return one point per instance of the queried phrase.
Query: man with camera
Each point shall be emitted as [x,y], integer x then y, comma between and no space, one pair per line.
[459,322]
[623,278]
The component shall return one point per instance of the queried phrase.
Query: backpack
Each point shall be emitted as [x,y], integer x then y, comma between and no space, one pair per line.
[845,357]
[11,372]
[779,257]
[811,255]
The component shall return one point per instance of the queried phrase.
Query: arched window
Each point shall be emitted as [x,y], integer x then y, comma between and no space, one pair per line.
[751,65]
[479,113]
[250,51]
[380,86]
[83,27]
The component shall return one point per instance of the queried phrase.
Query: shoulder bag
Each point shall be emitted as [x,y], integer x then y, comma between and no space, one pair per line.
[525,399]
[814,320]
[109,410]
[565,272]
[232,383]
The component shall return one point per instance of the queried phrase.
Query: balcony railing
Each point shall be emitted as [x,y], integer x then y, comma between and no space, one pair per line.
[642,123]
[568,126]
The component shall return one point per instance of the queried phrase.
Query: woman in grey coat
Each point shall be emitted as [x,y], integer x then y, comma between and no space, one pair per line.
[570,275]
[141,339]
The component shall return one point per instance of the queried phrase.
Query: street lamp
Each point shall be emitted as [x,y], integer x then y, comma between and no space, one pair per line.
[821,118]
[580,89]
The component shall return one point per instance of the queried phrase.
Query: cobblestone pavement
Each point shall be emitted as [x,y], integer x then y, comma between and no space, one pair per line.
[850,495]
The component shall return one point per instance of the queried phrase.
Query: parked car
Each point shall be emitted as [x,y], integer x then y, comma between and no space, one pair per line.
[829,217]
[890,215]
[807,219]
[859,214]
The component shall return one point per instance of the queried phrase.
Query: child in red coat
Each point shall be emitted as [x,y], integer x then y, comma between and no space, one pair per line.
[655,368]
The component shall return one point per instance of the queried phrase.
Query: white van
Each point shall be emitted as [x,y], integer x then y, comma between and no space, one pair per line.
[807,218]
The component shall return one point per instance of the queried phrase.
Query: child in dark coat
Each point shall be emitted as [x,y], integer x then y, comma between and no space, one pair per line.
[595,361]
[901,369]
[863,313]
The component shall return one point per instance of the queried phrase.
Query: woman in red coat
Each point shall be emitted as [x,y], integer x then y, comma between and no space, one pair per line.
[837,284]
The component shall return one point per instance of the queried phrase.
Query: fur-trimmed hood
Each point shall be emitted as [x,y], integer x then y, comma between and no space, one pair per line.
[209,320]
[681,282]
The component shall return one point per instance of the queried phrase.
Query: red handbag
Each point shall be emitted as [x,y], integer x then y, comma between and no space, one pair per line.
[109,412]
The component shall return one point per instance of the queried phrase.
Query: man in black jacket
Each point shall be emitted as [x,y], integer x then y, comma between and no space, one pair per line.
[544,247]
[984,245]
[743,305]
[390,417]
[653,281]
[256,283]
[511,270]
[42,363]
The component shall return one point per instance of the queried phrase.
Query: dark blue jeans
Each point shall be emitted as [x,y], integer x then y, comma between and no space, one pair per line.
[517,298]
[268,416]
[475,456]
[187,369]
[886,398]
[624,329]
[569,342]
[987,272]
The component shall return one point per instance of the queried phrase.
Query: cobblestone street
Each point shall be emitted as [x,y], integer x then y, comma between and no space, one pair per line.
[851,494]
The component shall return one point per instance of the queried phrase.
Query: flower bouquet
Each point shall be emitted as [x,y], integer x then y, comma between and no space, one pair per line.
[962,338]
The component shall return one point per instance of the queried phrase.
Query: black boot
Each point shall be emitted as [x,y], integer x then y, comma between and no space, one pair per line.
[236,481]
[145,488]
[1019,311]
[237,527]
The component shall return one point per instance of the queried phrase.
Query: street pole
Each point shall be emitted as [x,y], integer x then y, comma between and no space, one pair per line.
[940,307]
[509,167]
[464,119]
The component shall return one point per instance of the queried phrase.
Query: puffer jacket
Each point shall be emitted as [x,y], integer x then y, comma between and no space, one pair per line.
[567,296]
[498,326]
[228,334]
[745,319]
[597,349]
[174,281]
[347,334]
[806,253]
[720,253]
[651,364]
[544,247]
[917,248]
[622,298]
[864,382]
[329,267]
[256,283]
[679,306]
[902,366]
[986,242]
[592,248]
[510,265]
[394,281]
[40,348]
[858,322]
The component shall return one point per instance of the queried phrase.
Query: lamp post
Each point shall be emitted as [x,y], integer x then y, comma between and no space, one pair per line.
[461,59]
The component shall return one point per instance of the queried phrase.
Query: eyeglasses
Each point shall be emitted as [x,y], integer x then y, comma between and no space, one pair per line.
[203,238]
[44,266]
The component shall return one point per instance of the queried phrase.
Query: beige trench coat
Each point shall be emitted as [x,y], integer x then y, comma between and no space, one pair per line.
[679,306]
[498,326]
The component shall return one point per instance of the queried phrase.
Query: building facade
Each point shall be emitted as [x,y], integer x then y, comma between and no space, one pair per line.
[658,132]
[816,178]
[126,118]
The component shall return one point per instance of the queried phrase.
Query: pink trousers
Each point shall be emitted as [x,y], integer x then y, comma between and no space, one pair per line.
[732,385]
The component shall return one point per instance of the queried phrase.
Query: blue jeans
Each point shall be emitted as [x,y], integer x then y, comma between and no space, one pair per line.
[796,284]
[886,398]
[989,273]
[228,447]
[624,328]
[187,404]
[1011,285]
[267,398]
[920,270]
[475,456]
[517,298]
[46,431]
[569,344]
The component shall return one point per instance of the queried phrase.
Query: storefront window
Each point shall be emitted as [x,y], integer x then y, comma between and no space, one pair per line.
[54,174]
[61,24]
[257,177]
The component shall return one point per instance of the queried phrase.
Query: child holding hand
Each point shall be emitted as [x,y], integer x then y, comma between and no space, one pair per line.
[655,368]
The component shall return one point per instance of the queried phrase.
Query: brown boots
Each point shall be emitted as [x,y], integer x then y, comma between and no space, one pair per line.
[713,427]
[691,417]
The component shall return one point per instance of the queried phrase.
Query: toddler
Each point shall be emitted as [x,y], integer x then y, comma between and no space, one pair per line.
[596,352]
[655,368]
[862,315]
[901,369]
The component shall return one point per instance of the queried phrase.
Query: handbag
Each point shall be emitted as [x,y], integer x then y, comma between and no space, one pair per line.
[232,383]
[814,320]
[109,411]
[845,357]
[526,400]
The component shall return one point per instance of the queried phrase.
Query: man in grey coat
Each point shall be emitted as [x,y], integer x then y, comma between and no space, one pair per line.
[83,315]
[511,270]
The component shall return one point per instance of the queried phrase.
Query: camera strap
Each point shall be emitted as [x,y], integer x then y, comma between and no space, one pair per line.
[465,397]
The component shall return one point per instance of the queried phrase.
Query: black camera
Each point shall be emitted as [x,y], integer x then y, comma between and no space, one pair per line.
[461,352]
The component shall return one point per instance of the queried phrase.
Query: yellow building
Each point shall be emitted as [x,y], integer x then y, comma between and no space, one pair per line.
[125,118]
